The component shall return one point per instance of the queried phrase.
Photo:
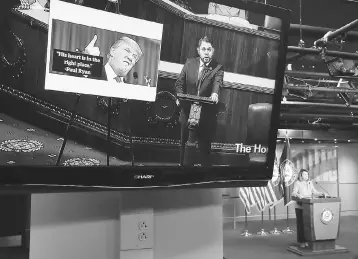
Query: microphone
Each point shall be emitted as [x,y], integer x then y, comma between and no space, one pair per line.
[148,80]
[322,188]
[135,75]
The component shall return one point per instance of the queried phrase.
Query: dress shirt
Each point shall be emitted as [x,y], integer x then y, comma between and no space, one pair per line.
[201,67]
[111,75]
[304,189]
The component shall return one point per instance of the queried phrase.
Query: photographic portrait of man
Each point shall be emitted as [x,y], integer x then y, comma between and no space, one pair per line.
[122,57]
[201,76]
[91,56]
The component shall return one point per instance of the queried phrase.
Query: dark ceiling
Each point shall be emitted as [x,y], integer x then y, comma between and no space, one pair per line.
[313,100]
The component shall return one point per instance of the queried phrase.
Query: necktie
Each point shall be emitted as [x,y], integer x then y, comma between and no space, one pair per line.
[201,70]
[119,79]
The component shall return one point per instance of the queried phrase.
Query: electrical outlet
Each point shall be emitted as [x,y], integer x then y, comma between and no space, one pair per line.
[142,236]
[136,230]
[142,225]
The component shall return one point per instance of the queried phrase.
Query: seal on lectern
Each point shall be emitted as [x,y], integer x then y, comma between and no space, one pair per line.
[326,216]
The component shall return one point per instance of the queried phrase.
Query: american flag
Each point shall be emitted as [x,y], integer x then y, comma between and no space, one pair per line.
[247,198]
[262,197]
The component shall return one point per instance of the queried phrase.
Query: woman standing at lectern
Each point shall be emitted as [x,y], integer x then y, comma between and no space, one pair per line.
[303,188]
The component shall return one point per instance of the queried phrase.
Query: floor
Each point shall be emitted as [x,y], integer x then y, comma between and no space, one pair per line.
[14,253]
[256,247]
[274,247]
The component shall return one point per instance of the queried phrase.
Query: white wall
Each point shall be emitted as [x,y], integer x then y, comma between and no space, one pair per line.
[188,223]
[74,225]
[348,178]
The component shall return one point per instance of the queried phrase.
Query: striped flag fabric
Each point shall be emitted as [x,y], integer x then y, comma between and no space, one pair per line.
[274,194]
[261,197]
[246,197]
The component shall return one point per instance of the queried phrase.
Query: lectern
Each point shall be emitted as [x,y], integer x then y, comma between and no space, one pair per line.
[321,219]
[196,106]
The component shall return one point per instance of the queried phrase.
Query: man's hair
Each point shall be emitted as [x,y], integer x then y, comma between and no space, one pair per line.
[128,41]
[205,39]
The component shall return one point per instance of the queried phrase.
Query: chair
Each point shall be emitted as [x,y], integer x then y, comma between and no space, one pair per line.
[258,128]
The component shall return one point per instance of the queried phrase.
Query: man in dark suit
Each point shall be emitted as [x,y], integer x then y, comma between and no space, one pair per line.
[122,57]
[201,76]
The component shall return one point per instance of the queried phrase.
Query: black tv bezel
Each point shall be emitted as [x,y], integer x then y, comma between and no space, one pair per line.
[102,177]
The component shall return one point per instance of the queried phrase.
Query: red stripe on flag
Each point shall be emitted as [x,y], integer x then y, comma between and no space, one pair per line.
[246,198]
[259,198]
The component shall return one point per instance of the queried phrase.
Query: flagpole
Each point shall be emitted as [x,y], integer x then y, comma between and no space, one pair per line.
[234,214]
[246,232]
[275,231]
[262,232]
[287,171]
[269,216]
[287,230]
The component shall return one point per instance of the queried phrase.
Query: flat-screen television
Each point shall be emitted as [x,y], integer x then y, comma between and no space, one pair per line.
[143,94]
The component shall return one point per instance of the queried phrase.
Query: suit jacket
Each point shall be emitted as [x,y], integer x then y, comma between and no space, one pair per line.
[209,83]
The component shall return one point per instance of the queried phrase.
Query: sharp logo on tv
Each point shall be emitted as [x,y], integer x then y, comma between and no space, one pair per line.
[143,176]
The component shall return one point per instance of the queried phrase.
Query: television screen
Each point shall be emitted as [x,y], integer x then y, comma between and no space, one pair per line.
[144,93]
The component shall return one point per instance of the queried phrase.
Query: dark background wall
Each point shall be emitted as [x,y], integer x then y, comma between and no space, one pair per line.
[323,13]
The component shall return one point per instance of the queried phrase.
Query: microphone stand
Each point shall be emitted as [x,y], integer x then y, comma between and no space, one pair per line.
[327,193]
[135,75]
[130,133]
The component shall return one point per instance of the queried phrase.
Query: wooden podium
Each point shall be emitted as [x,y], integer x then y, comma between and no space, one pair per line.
[321,218]
[197,103]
